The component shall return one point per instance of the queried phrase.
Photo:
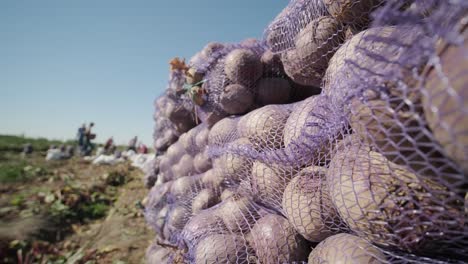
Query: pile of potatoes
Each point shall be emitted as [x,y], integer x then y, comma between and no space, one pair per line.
[308,33]
[370,170]
[234,79]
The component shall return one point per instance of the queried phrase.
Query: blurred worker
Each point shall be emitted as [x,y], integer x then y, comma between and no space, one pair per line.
[81,136]
[142,148]
[89,136]
[132,144]
[108,147]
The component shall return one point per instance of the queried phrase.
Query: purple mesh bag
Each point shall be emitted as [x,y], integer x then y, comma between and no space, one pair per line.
[362,173]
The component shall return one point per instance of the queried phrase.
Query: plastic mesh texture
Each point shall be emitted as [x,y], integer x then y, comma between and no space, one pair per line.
[308,32]
[371,170]
[233,79]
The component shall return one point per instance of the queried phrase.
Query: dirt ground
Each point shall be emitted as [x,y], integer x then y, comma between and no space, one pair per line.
[72,212]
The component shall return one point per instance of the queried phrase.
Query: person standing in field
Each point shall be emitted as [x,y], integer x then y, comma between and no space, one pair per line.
[89,146]
[142,148]
[132,144]
[80,136]
[108,147]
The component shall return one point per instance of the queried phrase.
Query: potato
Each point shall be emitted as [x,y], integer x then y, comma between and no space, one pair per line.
[158,256]
[304,132]
[298,71]
[181,118]
[193,76]
[177,218]
[445,100]
[226,194]
[296,123]
[272,65]
[201,139]
[202,162]
[274,240]
[273,91]
[184,186]
[187,140]
[308,206]
[174,153]
[238,214]
[211,118]
[379,200]
[232,166]
[351,11]
[223,131]
[236,99]
[242,66]
[160,220]
[184,167]
[318,41]
[203,224]
[352,62]
[212,178]
[222,249]
[268,182]
[206,198]
[385,111]
[264,126]
[346,248]
[211,49]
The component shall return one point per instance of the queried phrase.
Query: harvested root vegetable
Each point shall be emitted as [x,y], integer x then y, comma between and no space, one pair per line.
[174,153]
[226,194]
[203,224]
[268,182]
[264,126]
[202,162]
[272,65]
[212,178]
[379,200]
[300,116]
[351,11]
[206,198]
[159,256]
[222,249]
[184,167]
[177,218]
[318,41]
[239,214]
[236,99]
[223,131]
[298,72]
[242,66]
[274,240]
[234,167]
[445,100]
[181,118]
[346,248]
[184,185]
[201,139]
[212,48]
[273,91]
[308,206]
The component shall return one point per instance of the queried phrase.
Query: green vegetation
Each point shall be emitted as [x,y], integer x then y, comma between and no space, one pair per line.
[16,143]
[18,170]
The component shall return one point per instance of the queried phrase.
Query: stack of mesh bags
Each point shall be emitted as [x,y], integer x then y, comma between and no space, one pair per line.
[226,79]
[371,170]
[171,118]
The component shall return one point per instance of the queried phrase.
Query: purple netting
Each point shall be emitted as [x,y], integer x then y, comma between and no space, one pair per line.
[372,170]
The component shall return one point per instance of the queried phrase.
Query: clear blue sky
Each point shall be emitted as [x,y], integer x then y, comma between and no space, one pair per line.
[66,62]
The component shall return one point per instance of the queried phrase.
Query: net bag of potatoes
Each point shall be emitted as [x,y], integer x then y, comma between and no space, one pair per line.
[400,184]
[307,34]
